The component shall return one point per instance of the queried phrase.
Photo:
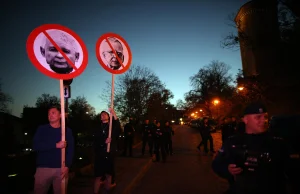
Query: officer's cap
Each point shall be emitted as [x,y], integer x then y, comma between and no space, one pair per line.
[255,108]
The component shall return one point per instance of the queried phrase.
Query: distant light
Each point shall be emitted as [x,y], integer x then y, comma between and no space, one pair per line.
[180,119]
[80,158]
[201,110]
[12,175]
[240,88]
[25,133]
[173,121]
[216,102]
[86,112]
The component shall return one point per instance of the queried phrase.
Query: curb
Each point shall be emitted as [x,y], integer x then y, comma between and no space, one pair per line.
[137,178]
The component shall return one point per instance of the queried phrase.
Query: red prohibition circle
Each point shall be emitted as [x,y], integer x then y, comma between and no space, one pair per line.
[30,51]
[99,41]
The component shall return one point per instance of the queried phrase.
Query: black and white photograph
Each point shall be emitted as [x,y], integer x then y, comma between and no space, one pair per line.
[51,58]
[109,57]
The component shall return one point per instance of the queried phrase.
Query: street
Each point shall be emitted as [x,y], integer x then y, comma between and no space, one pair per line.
[187,171]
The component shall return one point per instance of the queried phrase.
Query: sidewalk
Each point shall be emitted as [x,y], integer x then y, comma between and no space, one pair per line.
[128,172]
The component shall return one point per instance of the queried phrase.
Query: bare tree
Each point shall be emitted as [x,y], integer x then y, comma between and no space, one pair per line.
[211,81]
[181,105]
[81,109]
[132,91]
[5,100]
[46,101]
[288,20]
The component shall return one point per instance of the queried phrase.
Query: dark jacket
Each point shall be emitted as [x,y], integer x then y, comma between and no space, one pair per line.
[129,130]
[147,131]
[44,143]
[263,158]
[205,129]
[169,132]
[101,134]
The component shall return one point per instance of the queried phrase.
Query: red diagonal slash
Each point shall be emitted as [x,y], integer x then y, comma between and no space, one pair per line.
[111,47]
[59,50]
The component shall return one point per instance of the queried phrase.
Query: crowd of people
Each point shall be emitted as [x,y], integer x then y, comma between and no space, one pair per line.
[48,145]
[251,158]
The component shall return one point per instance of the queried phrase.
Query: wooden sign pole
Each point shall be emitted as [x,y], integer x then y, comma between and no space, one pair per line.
[112,107]
[63,131]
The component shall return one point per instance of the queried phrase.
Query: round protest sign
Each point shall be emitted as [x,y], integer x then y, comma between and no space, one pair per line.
[113,53]
[57,51]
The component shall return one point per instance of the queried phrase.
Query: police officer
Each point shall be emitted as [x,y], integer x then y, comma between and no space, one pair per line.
[256,159]
[226,129]
[129,135]
[160,143]
[147,137]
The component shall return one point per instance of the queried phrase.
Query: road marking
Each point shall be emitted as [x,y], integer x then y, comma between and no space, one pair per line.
[137,178]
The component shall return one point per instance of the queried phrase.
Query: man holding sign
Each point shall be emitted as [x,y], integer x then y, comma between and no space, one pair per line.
[47,143]
[104,161]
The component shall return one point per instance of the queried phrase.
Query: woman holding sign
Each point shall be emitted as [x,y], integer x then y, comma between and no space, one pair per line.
[104,161]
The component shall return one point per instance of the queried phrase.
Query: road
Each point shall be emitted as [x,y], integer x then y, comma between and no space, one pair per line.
[187,171]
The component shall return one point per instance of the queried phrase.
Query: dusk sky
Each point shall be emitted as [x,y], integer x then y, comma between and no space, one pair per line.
[172,38]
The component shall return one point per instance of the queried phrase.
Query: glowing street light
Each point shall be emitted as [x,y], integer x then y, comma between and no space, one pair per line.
[216,102]
[240,88]
[201,110]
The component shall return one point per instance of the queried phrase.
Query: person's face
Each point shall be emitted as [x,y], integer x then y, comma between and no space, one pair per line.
[147,121]
[104,117]
[158,124]
[110,56]
[255,123]
[53,115]
[55,59]
[167,123]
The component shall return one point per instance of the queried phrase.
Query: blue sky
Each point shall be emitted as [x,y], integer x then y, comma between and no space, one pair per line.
[172,38]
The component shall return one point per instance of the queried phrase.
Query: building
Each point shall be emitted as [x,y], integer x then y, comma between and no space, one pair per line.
[263,55]
[11,130]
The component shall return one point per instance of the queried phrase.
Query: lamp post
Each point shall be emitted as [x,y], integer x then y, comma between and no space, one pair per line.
[216,103]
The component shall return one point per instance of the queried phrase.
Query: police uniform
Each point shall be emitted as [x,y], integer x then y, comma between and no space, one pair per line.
[262,157]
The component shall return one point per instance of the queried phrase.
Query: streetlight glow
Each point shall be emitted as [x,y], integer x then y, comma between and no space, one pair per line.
[216,102]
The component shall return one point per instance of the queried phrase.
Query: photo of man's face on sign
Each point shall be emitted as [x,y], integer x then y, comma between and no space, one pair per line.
[51,58]
[114,54]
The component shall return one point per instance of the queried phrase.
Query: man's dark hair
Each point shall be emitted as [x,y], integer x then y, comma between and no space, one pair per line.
[55,107]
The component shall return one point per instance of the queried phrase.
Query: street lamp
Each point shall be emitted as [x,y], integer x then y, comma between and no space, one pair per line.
[216,102]
[240,88]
